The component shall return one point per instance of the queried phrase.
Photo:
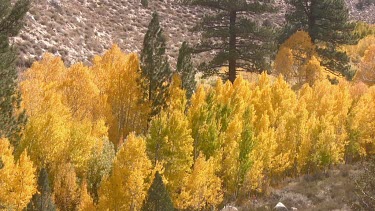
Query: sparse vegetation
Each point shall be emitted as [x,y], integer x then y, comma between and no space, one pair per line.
[365,187]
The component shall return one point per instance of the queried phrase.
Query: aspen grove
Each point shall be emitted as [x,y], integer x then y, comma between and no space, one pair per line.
[89,127]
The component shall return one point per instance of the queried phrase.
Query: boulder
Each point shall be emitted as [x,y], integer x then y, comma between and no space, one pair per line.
[280,207]
[229,208]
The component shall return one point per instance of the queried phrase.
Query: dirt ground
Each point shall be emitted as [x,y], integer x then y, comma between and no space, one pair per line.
[334,190]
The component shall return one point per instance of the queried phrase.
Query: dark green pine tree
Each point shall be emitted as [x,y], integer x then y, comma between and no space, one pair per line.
[327,22]
[157,198]
[234,37]
[186,70]
[144,3]
[12,120]
[42,201]
[156,72]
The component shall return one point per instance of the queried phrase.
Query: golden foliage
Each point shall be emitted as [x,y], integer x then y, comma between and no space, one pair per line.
[229,141]
[117,75]
[362,123]
[66,190]
[86,202]
[17,179]
[64,122]
[366,72]
[126,187]
[203,187]
[169,141]
[293,55]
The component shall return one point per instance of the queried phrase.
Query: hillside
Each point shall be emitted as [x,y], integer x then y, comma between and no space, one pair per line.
[333,190]
[77,30]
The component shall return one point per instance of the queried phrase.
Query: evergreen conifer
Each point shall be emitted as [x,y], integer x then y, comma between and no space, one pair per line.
[156,72]
[157,198]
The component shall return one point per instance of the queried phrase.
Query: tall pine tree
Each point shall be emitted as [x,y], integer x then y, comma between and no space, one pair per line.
[42,201]
[11,119]
[156,72]
[186,70]
[144,3]
[327,23]
[157,198]
[232,34]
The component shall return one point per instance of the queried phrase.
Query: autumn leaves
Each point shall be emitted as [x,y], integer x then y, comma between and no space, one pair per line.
[88,126]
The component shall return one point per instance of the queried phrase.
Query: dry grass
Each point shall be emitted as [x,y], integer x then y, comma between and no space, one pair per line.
[333,190]
[84,28]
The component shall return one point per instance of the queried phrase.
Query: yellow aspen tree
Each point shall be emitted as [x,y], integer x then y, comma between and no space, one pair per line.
[117,76]
[312,71]
[126,187]
[366,72]
[283,99]
[329,105]
[263,156]
[47,131]
[308,122]
[75,86]
[205,129]
[274,104]
[64,116]
[86,202]
[361,122]
[293,54]
[81,94]
[216,118]
[230,157]
[49,69]
[227,111]
[246,146]
[65,188]
[301,43]
[203,187]
[80,144]
[284,64]
[342,104]
[324,152]
[196,119]
[357,91]
[244,118]
[301,142]
[215,136]
[52,136]
[45,74]
[236,117]
[284,102]
[363,45]
[17,179]
[25,181]
[262,99]
[169,141]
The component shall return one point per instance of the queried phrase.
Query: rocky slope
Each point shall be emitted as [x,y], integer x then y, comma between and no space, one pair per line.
[333,190]
[78,29]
